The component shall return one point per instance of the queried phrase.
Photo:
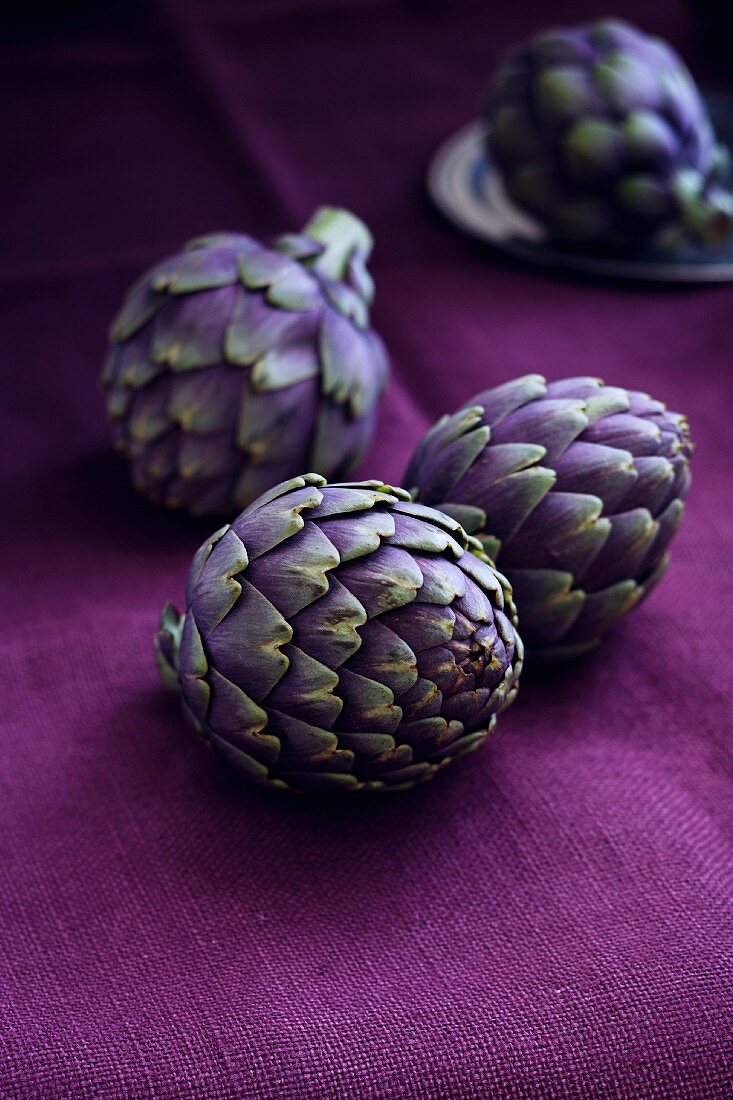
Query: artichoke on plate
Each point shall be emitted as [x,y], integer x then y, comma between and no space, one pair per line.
[600,133]
[234,365]
[341,637]
[574,488]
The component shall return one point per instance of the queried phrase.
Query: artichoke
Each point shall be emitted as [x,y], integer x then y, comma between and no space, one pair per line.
[341,637]
[601,134]
[574,488]
[233,366]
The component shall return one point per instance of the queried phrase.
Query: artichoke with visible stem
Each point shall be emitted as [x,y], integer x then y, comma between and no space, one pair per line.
[234,365]
[341,637]
[574,488]
[600,133]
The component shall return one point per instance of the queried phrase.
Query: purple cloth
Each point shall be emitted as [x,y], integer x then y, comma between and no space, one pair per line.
[552,916]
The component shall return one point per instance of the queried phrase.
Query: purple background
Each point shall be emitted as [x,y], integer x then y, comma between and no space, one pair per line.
[551,917]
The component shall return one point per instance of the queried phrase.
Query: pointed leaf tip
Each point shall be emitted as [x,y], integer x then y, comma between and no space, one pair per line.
[167,646]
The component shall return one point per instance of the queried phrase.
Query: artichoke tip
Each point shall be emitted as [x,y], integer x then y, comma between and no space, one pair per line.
[347,245]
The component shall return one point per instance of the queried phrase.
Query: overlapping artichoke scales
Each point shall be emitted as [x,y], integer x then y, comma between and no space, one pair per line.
[575,488]
[233,366]
[600,133]
[342,636]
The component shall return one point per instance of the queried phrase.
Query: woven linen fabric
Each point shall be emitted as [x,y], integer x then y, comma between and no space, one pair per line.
[551,917]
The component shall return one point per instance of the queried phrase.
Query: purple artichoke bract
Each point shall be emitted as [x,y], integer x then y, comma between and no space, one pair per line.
[574,488]
[234,366]
[600,133]
[341,637]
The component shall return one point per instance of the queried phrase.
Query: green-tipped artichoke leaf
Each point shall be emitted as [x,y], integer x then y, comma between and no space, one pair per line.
[277,519]
[298,574]
[348,357]
[295,290]
[610,400]
[370,704]
[141,305]
[216,590]
[284,366]
[387,658]
[470,518]
[305,745]
[195,270]
[308,687]
[241,761]
[167,646]
[234,714]
[359,534]
[260,268]
[548,604]
[201,557]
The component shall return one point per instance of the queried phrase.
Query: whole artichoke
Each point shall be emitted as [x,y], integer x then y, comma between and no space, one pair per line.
[341,636]
[574,488]
[601,134]
[234,366]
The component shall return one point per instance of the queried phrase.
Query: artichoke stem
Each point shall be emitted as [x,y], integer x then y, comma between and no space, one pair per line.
[345,238]
[167,646]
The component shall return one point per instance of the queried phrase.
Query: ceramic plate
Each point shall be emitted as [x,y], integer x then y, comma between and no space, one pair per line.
[467,189]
